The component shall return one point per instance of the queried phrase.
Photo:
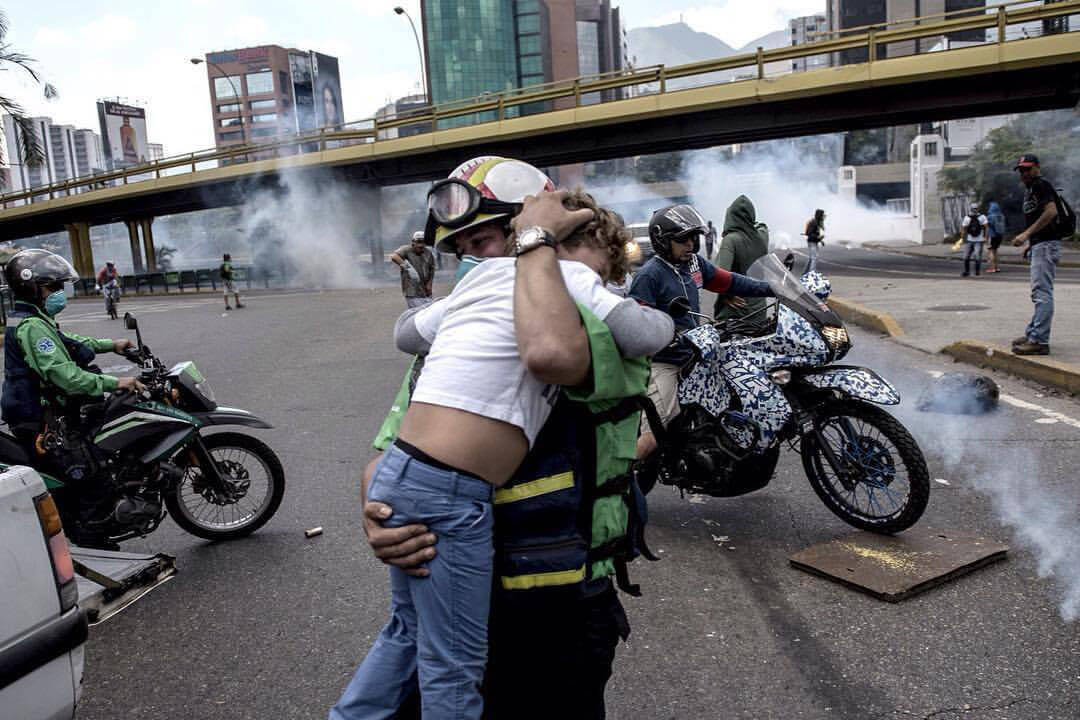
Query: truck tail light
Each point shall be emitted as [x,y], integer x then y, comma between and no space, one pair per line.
[63,567]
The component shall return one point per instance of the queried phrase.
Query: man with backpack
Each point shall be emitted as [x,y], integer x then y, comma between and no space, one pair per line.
[973,229]
[1048,219]
[227,285]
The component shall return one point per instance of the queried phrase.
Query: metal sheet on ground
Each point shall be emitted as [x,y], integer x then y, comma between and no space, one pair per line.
[109,580]
[896,567]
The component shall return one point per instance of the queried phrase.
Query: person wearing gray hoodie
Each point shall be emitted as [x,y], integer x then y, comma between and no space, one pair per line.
[742,243]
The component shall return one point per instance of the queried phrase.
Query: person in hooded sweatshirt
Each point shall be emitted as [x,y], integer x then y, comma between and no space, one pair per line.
[996,231]
[741,244]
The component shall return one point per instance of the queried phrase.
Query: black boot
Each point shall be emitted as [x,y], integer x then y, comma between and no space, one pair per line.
[978,267]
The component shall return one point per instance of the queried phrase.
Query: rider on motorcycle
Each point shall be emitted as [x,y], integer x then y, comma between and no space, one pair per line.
[676,271]
[46,369]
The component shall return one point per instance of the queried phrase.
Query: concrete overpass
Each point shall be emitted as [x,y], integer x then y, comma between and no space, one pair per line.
[1000,76]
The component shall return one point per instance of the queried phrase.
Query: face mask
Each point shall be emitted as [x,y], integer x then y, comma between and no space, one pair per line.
[55,302]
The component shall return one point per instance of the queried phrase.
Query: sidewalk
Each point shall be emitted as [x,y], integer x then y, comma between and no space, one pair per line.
[935,315]
[1007,254]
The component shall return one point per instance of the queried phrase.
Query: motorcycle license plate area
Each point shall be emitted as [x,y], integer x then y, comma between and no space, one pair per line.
[110,581]
[896,567]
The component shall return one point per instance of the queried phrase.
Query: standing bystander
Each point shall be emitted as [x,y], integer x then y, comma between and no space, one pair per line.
[815,238]
[227,285]
[974,229]
[417,270]
[710,241]
[996,229]
[1040,210]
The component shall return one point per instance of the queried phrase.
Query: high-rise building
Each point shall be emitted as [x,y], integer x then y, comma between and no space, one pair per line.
[89,154]
[263,92]
[856,15]
[156,150]
[402,108]
[487,46]
[807,29]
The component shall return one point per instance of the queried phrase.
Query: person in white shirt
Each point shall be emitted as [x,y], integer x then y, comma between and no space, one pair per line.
[973,228]
[487,387]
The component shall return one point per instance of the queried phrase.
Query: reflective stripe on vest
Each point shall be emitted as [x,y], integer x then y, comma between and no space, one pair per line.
[534,488]
[545,579]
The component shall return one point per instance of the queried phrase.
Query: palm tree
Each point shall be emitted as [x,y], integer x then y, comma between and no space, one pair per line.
[29,144]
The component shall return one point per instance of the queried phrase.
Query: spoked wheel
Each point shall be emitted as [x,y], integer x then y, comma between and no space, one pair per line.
[255,485]
[876,478]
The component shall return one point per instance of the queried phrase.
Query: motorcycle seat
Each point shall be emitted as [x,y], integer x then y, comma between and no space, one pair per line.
[11,452]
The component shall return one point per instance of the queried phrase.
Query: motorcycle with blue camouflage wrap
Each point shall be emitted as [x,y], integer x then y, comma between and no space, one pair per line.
[141,454]
[755,383]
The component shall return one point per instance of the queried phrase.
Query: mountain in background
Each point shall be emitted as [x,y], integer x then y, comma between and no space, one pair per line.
[679,44]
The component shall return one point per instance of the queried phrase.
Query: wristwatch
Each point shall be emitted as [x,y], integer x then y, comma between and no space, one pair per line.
[532,238]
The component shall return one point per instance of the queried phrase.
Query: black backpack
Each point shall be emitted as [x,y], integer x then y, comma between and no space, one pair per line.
[974,227]
[1064,225]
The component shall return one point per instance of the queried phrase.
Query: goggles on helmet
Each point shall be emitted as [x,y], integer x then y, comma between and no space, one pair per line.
[454,203]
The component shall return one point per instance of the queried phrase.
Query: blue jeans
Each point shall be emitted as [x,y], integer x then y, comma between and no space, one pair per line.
[1044,259]
[812,249]
[437,632]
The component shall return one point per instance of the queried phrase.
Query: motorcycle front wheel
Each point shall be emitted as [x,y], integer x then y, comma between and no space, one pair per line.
[256,485]
[888,482]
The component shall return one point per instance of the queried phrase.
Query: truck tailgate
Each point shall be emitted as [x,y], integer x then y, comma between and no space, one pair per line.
[110,580]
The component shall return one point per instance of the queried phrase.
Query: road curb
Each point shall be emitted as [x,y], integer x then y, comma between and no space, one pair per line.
[1001,261]
[1041,369]
[865,317]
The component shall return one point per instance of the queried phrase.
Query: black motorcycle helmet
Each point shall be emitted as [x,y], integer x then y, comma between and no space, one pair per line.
[27,270]
[674,222]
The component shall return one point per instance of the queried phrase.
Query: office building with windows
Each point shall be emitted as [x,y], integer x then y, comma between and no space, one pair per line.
[261,93]
[487,46]
[808,29]
[856,15]
[68,153]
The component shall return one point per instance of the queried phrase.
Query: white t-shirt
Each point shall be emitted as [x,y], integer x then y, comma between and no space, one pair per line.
[474,363]
[981,236]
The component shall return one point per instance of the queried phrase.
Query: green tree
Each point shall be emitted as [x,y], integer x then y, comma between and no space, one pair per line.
[30,149]
[988,173]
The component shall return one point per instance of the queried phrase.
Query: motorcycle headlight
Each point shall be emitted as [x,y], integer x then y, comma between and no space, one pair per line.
[837,337]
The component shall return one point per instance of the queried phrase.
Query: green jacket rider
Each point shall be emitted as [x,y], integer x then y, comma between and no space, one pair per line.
[43,366]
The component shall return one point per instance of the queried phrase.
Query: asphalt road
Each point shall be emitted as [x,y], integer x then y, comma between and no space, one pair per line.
[838,259]
[273,626]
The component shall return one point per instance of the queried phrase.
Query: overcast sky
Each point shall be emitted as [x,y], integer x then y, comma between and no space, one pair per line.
[92,49]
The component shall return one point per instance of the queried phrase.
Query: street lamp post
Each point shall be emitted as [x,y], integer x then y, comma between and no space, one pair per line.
[423,76]
[236,94]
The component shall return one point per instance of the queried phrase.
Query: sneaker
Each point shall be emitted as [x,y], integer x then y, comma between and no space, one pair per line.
[239,304]
[1020,340]
[228,308]
[964,274]
[1031,348]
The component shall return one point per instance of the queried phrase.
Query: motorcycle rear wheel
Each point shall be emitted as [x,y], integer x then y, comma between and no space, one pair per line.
[197,508]
[893,480]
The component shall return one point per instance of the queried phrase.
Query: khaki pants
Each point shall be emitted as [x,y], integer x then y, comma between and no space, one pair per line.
[664,393]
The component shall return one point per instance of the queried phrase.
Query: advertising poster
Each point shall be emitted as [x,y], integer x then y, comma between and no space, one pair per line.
[123,134]
[303,91]
[328,110]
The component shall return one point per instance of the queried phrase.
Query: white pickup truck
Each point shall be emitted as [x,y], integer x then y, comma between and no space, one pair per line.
[49,593]
[42,629]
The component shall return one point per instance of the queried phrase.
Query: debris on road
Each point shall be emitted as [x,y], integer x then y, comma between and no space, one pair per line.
[960,393]
[313,532]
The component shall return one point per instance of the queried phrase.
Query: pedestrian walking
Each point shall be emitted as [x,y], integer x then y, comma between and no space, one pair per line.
[710,241]
[228,287]
[996,230]
[1043,237]
[417,265]
[815,238]
[973,228]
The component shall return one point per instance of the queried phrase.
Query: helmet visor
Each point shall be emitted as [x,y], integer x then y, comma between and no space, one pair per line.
[688,219]
[52,269]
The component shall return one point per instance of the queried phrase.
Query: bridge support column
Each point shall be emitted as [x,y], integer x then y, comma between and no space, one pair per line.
[133,240]
[82,256]
[148,243]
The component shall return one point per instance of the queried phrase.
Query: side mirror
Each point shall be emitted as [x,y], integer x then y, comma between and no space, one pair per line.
[130,322]
[678,307]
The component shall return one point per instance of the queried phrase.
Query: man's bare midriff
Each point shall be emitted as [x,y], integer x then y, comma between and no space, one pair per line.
[490,449]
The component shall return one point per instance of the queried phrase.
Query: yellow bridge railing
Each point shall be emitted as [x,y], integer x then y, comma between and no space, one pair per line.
[505,104]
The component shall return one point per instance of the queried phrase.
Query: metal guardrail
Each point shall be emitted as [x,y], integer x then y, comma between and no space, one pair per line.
[872,37]
[181,280]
